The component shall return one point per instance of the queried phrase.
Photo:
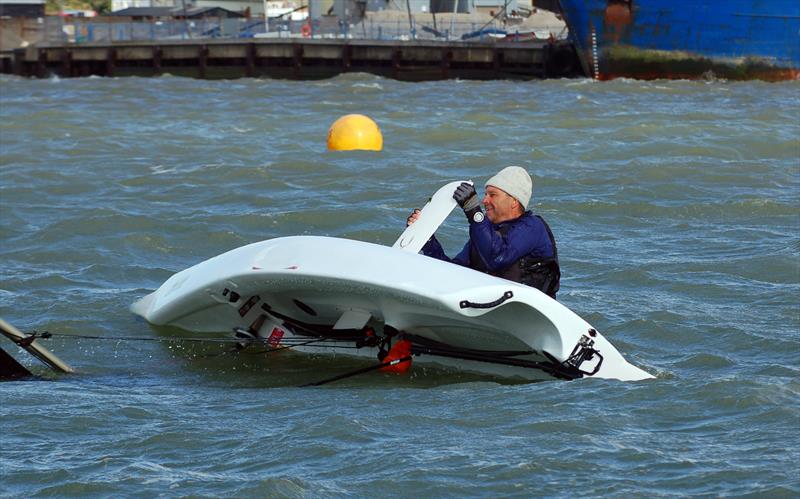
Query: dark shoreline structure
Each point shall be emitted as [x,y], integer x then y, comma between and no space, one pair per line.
[641,39]
[300,58]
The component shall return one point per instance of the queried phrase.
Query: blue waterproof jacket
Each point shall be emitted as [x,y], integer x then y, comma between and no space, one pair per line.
[521,250]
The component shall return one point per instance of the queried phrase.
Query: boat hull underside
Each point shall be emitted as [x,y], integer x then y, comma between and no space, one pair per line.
[331,289]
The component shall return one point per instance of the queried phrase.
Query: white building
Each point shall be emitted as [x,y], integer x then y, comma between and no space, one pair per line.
[126,4]
[256,7]
[22,8]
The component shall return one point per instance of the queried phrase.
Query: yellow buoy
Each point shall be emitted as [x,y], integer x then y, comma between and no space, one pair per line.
[354,131]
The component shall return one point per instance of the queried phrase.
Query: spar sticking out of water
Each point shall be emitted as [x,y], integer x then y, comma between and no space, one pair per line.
[13,369]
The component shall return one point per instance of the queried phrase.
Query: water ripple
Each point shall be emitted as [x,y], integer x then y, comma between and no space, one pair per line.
[676,210]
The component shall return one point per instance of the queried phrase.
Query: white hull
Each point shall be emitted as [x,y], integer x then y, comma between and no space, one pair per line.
[309,287]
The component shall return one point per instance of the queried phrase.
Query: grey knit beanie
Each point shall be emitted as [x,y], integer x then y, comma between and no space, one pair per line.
[516,182]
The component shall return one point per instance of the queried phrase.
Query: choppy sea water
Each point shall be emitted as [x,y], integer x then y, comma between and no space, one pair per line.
[676,206]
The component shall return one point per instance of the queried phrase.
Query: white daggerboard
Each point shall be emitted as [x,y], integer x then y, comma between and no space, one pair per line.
[430,218]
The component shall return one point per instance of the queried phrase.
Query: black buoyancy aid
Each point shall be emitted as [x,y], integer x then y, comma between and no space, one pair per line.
[543,274]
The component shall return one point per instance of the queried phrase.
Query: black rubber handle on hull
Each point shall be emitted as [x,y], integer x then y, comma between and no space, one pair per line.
[491,304]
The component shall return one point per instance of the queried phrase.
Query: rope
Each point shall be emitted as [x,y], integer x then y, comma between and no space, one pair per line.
[141,338]
[286,343]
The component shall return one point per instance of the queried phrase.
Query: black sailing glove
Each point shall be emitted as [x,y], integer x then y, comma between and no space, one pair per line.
[468,200]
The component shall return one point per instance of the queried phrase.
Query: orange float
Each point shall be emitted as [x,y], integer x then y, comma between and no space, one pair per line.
[400,350]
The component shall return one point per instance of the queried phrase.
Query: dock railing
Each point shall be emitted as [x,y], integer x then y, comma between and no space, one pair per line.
[55,30]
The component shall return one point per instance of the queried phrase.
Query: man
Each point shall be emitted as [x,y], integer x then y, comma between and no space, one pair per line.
[509,241]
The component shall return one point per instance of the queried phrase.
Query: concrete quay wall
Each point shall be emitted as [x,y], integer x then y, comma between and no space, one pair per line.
[298,58]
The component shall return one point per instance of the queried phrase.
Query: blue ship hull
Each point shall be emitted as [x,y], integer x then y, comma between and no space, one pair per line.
[648,39]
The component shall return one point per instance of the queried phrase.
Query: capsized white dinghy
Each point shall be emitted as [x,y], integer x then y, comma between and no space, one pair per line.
[325,295]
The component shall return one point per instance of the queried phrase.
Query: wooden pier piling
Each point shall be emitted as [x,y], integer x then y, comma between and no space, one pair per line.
[299,58]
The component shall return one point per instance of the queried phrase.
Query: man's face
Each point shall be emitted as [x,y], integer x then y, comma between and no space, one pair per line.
[499,205]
